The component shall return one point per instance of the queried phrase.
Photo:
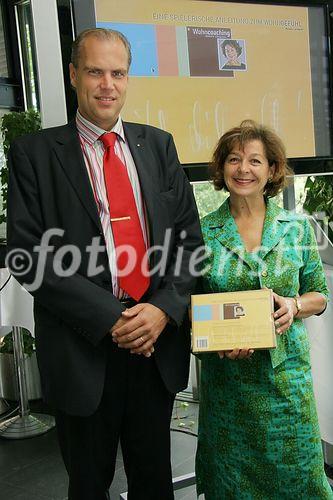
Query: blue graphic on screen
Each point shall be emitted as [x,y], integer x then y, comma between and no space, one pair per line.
[142,38]
[202,313]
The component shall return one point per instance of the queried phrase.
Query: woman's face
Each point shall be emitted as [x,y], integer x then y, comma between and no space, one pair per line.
[246,171]
[230,52]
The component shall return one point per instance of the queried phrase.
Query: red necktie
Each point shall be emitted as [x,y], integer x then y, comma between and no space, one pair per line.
[126,227]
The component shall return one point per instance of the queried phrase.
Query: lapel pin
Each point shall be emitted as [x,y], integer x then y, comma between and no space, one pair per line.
[138,145]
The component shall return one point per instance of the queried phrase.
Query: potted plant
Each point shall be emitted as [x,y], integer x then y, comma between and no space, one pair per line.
[14,124]
[8,378]
[319,199]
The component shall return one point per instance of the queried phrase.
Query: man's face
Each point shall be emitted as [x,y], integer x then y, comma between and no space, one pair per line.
[101,80]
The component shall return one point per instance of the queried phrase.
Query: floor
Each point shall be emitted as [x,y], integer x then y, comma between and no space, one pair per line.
[32,469]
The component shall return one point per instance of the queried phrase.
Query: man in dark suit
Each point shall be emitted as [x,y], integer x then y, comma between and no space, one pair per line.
[110,364]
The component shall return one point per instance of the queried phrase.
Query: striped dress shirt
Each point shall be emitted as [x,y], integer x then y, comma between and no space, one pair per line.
[93,153]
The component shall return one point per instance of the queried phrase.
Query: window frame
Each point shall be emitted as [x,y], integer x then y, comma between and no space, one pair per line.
[11,88]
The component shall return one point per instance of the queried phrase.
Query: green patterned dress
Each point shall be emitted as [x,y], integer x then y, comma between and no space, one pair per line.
[258,428]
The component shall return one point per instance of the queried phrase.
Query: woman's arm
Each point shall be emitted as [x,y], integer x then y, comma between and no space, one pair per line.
[311,303]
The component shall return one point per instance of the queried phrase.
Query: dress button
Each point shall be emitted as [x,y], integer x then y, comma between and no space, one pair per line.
[264,274]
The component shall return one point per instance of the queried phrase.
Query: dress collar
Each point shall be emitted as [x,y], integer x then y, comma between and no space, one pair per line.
[223,227]
[222,215]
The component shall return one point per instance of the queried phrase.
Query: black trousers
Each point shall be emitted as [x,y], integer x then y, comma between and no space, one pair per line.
[136,410]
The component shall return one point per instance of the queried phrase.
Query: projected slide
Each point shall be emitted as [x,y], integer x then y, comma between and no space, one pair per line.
[200,67]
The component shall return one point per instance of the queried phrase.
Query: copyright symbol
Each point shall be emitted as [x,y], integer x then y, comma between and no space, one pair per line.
[18,261]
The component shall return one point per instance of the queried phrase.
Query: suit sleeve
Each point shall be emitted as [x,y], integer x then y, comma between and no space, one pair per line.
[179,281]
[88,308]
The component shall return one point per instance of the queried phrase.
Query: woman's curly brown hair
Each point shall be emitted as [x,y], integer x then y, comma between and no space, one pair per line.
[274,149]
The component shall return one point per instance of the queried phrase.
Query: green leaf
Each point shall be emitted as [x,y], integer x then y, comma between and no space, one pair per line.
[319,197]
[13,125]
[6,345]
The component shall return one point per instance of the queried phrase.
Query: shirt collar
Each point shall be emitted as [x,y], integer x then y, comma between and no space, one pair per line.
[91,132]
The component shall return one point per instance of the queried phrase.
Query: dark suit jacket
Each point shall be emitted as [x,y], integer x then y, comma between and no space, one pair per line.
[49,188]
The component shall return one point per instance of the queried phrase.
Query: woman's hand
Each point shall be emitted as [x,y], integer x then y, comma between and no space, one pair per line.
[284,314]
[236,353]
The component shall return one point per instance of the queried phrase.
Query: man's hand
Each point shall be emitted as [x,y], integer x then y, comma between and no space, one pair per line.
[120,322]
[123,321]
[139,327]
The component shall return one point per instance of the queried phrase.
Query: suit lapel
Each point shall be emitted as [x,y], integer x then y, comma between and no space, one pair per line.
[226,232]
[275,227]
[68,150]
[146,168]
[143,160]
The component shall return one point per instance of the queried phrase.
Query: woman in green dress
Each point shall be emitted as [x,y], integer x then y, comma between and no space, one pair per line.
[258,428]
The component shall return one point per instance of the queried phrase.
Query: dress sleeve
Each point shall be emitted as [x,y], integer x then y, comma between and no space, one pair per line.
[312,275]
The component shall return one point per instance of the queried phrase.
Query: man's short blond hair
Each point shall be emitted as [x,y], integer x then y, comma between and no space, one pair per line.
[102,34]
